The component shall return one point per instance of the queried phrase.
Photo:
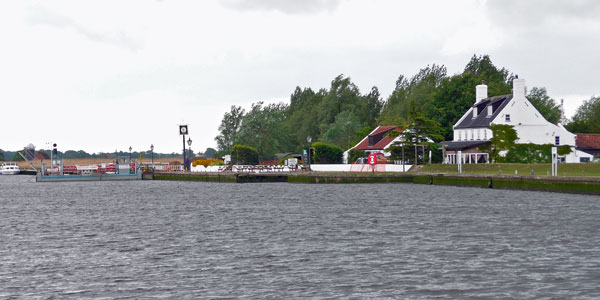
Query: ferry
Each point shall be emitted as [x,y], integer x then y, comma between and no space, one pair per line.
[9,169]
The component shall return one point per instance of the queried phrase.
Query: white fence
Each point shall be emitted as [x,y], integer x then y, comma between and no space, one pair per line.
[359,168]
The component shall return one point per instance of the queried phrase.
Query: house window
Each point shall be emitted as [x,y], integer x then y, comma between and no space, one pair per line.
[460,135]
[472,135]
[557,140]
[507,117]
[485,134]
[479,134]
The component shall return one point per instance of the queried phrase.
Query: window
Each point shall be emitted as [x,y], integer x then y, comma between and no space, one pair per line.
[472,135]
[507,117]
[485,134]
[557,140]
[479,134]
[460,135]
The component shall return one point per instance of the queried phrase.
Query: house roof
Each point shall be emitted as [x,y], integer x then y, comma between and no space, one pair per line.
[377,139]
[588,140]
[455,146]
[482,120]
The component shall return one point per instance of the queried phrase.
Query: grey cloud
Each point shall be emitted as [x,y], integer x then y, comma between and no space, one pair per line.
[285,6]
[532,12]
[40,15]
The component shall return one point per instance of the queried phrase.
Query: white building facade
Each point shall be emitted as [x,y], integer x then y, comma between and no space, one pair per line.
[531,127]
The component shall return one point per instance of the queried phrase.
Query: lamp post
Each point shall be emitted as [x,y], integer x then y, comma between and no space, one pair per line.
[309,140]
[189,142]
[152,151]
[130,153]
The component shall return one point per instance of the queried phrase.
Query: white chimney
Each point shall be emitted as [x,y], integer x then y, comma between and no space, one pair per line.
[518,87]
[480,92]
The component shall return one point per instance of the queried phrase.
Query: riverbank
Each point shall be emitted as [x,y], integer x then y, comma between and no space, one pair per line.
[575,185]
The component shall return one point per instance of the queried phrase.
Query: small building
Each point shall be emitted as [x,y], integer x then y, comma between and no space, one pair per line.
[472,130]
[376,142]
[588,143]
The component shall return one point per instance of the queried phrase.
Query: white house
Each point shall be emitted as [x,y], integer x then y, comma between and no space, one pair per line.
[472,130]
[376,142]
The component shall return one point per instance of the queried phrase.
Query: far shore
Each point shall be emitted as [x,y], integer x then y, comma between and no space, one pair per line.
[23,165]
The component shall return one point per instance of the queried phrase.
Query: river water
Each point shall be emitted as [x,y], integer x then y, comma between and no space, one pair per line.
[193,240]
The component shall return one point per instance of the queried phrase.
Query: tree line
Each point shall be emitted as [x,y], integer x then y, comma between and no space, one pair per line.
[342,115]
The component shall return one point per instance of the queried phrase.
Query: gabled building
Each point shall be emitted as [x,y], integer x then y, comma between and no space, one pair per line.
[588,143]
[376,142]
[472,130]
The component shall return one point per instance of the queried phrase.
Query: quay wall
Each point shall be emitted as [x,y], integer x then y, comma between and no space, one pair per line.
[577,185]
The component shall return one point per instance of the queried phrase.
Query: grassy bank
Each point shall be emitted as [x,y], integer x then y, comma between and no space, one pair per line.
[571,170]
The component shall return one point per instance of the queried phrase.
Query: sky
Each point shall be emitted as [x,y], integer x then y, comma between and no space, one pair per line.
[105,75]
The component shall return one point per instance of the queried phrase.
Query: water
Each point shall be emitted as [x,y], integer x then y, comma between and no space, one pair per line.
[186,240]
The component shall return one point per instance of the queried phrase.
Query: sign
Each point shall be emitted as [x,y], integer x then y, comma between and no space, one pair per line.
[183,129]
[292,161]
[372,159]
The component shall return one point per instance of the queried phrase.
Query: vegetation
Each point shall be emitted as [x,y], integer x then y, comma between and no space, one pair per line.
[1,155]
[341,115]
[327,154]
[207,162]
[587,117]
[244,155]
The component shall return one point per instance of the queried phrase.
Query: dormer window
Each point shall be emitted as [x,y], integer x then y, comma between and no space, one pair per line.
[490,111]
[371,141]
[507,117]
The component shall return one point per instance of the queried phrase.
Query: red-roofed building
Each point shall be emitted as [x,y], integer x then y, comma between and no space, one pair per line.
[376,142]
[588,143]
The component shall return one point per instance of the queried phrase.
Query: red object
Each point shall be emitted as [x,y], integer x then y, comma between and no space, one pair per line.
[372,159]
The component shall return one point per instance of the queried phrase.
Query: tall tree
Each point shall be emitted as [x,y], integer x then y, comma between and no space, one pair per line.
[456,94]
[263,128]
[544,104]
[342,132]
[587,117]
[1,155]
[229,128]
[412,98]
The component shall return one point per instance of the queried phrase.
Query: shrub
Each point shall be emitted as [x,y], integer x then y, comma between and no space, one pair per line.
[207,162]
[355,154]
[245,155]
[327,154]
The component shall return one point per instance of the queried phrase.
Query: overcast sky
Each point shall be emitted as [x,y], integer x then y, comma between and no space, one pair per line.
[106,75]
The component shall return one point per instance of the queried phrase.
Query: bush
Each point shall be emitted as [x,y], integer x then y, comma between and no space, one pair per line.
[355,154]
[207,162]
[532,153]
[244,155]
[327,154]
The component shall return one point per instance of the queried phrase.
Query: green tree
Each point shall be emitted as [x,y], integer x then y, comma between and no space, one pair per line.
[343,131]
[244,155]
[545,105]
[422,131]
[210,152]
[263,128]
[587,117]
[229,128]
[327,154]
[503,138]
[455,95]
[1,155]
[412,98]
[18,157]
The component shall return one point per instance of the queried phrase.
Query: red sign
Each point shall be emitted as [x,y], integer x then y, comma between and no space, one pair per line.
[372,159]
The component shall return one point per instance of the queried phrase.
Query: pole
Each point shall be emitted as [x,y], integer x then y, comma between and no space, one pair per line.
[184,165]
[403,170]
[152,151]
[309,157]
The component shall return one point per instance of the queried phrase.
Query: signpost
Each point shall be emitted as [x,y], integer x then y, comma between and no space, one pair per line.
[372,158]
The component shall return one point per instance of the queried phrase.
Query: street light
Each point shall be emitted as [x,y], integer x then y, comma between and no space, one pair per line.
[309,140]
[152,151]
[130,153]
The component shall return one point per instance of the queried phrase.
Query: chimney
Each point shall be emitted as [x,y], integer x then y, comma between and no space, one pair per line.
[480,92]
[518,87]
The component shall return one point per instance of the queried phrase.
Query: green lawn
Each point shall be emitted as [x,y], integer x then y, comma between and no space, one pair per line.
[584,169]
